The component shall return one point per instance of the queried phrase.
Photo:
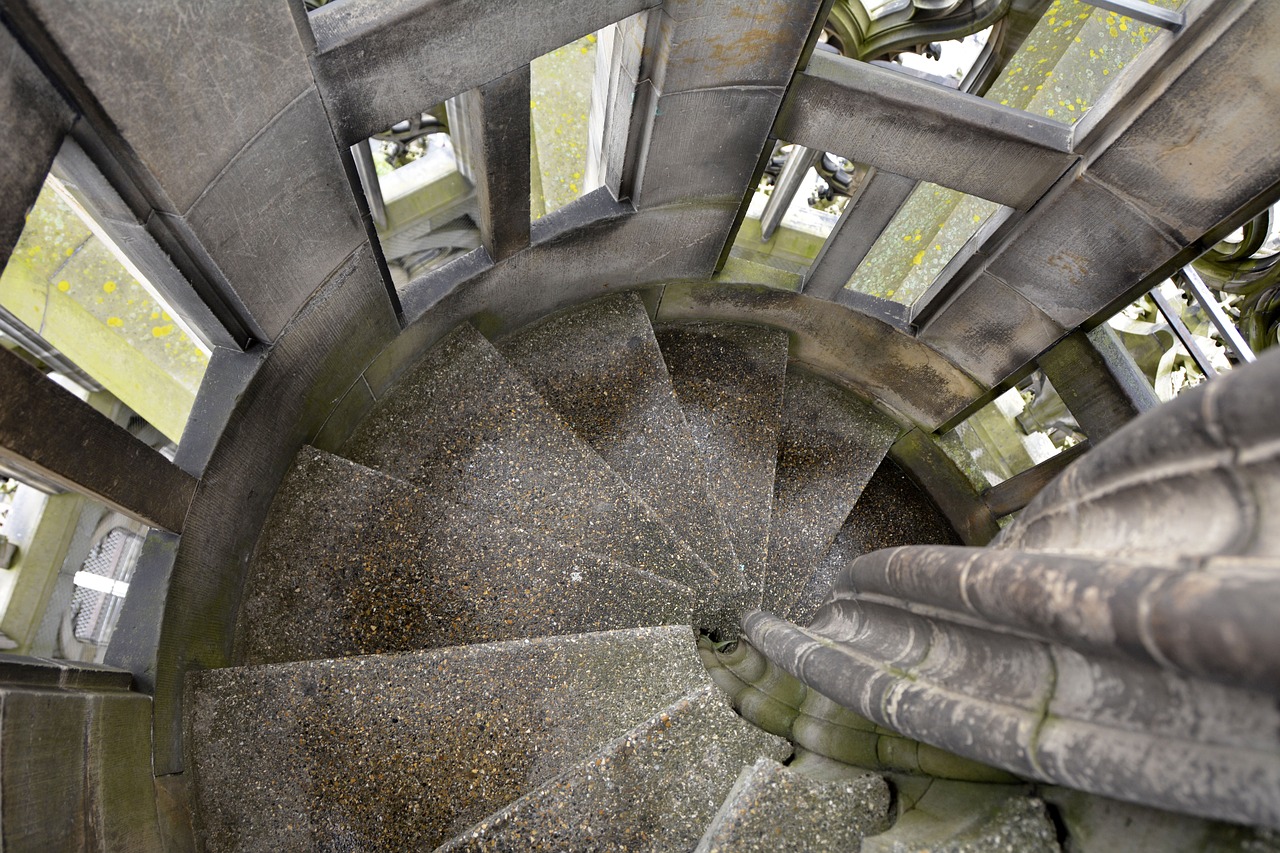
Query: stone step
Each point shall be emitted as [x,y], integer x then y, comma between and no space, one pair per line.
[891,511]
[830,445]
[942,816]
[472,432]
[655,788]
[774,808]
[352,561]
[402,752]
[599,366]
[730,382]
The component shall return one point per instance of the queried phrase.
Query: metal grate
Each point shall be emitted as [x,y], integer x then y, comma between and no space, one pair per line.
[102,583]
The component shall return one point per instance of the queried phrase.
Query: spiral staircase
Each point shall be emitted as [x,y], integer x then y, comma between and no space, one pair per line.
[503,540]
[600,537]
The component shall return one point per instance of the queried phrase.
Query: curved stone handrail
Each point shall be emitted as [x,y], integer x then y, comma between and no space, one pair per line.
[1119,637]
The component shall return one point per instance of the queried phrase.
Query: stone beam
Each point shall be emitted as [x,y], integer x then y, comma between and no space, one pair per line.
[497,153]
[1176,156]
[1098,381]
[44,431]
[902,124]
[380,62]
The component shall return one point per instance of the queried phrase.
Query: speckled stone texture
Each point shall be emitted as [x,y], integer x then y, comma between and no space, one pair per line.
[352,561]
[472,432]
[772,809]
[656,788]
[599,366]
[938,816]
[831,443]
[892,511]
[729,380]
[401,752]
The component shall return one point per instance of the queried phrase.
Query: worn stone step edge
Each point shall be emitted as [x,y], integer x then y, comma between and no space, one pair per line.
[745,443]
[565,358]
[778,808]
[598,685]
[830,445]
[495,832]
[444,381]
[357,514]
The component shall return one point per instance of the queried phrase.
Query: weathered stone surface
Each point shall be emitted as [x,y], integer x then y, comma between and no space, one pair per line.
[405,751]
[830,445]
[377,565]
[995,686]
[357,402]
[593,246]
[199,82]
[379,63]
[173,804]
[1098,381]
[772,808]
[1133,730]
[870,356]
[495,149]
[33,120]
[729,380]
[600,368]
[919,455]
[989,329]
[678,166]
[186,87]
[44,430]
[481,437]
[928,132]
[281,216]
[1201,149]
[1008,496]
[1209,624]
[655,787]
[1081,252]
[1096,825]
[76,773]
[1138,734]
[1191,479]
[717,70]
[705,43]
[343,326]
[870,210]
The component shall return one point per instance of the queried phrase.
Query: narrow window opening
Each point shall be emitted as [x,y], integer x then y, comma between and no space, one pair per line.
[795,207]
[420,193]
[66,563]
[1026,425]
[73,303]
[561,86]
